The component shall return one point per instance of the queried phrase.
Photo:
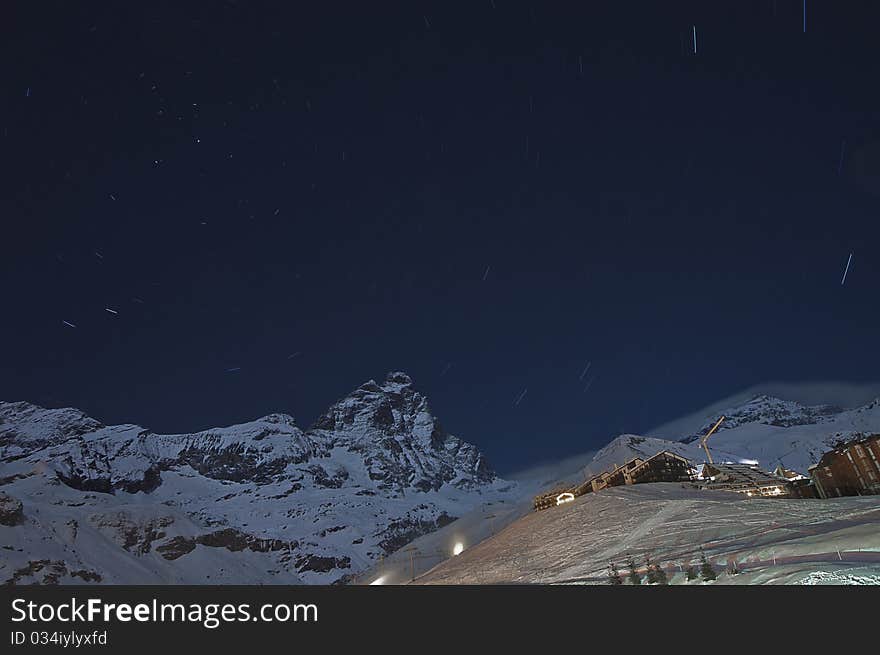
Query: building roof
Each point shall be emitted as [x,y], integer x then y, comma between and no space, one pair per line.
[665,453]
[740,474]
[788,474]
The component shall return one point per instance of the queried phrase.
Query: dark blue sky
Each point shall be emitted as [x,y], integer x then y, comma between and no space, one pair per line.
[244,181]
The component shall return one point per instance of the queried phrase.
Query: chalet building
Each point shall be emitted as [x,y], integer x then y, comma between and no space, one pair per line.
[799,485]
[620,475]
[788,474]
[745,479]
[553,498]
[802,488]
[600,481]
[662,467]
[850,469]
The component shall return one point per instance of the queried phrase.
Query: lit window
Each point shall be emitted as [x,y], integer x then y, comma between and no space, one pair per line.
[565,497]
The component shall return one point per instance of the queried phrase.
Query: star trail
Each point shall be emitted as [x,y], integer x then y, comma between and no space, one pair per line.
[216,211]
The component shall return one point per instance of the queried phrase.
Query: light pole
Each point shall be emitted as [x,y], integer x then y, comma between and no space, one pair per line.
[412,550]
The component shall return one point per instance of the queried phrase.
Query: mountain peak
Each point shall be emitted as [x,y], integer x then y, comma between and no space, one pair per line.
[767,410]
[278,417]
[391,425]
[39,426]
[398,378]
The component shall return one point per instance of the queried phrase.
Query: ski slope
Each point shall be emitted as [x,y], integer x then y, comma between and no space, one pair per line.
[772,541]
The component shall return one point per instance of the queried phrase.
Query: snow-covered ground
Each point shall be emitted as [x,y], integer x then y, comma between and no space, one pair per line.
[772,541]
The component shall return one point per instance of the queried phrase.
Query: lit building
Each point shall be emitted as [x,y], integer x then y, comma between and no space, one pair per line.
[665,466]
[850,469]
[746,479]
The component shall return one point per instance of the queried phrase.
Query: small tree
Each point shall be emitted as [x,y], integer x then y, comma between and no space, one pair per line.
[706,570]
[633,575]
[691,572]
[660,574]
[613,574]
[651,575]
[732,567]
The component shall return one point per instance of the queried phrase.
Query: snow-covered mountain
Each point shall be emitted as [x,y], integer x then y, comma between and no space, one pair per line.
[764,429]
[262,502]
[768,410]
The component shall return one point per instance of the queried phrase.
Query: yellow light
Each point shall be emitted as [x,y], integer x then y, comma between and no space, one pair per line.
[565,497]
[456,550]
[379,580]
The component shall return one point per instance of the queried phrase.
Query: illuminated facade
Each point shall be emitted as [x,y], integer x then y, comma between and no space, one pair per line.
[851,469]
[745,479]
[662,467]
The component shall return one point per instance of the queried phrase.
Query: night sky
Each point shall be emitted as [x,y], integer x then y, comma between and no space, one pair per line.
[248,207]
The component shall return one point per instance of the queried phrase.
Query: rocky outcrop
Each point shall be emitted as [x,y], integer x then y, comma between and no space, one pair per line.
[11,510]
[403,445]
[228,538]
[404,530]
[135,536]
[318,564]
[49,572]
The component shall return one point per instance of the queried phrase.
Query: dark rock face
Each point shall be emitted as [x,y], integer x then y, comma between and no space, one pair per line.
[52,571]
[229,538]
[87,576]
[320,564]
[11,510]
[322,479]
[176,547]
[404,530]
[233,463]
[402,444]
[149,483]
[49,572]
[133,535]
[82,483]
[234,540]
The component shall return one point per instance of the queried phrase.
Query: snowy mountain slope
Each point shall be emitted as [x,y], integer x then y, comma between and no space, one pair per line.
[768,410]
[767,430]
[839,394]
[475,526]
[69,537]
[772,541]
[374,472]
[470,529]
